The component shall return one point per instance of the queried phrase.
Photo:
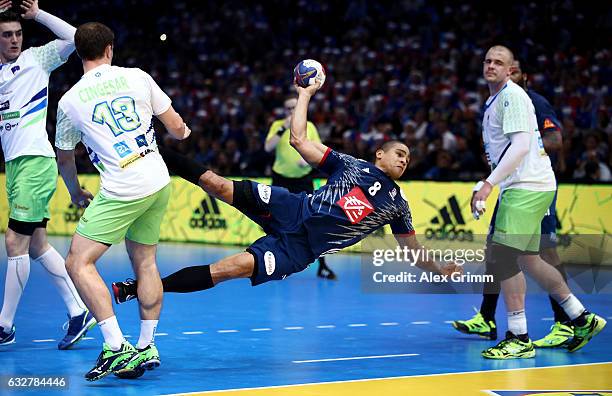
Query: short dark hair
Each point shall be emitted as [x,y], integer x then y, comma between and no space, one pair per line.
[9,16]
[386,146]
[91,40]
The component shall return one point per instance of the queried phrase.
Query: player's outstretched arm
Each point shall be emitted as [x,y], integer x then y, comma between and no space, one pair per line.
[63,30]
[424,263]
[312,152]
[174,124]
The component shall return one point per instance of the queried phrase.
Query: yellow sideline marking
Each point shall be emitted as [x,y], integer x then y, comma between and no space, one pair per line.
[590,376]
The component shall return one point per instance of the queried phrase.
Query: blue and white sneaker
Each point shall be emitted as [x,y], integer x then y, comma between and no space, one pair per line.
[77,328]
[7,338]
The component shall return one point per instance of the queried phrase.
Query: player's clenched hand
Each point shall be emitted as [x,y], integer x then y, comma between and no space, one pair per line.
[309,90]
[480,197]
[81,198]
[450,268]
[30,9]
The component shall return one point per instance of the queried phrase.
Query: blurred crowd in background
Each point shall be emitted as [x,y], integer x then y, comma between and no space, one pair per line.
[407,70]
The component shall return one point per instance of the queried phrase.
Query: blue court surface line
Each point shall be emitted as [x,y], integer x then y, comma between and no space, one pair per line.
[300,330]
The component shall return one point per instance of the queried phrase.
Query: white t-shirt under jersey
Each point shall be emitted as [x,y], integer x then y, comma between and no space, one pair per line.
[510,111]
[23,102]
[111,111]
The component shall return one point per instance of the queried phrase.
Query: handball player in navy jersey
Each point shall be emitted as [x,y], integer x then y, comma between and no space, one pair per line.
[359,198]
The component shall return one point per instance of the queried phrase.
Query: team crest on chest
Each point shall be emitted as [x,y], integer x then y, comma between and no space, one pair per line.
[355,205]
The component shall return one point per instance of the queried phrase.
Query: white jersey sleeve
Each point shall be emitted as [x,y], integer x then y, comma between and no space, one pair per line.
[48,56]
[514,111]
[160,102]
[66,135]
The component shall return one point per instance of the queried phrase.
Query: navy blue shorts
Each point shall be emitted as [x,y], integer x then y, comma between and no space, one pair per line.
[286,249]
[548,227]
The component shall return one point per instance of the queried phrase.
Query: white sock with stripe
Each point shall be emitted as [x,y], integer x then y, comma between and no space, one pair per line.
[572,306]
[55,265]
[517,322]
[17,274]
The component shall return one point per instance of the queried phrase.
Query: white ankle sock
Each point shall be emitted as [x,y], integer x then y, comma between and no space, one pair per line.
[147,333]
[17,274]
[572,306]
[55,265]
[111,333]
[517,322]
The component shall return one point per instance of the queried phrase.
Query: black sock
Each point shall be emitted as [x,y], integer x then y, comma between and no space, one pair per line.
[182,166]
[523,337]
[188,280]
[490,295]
[489,306]
[559,312]
[581,320]
[560,315]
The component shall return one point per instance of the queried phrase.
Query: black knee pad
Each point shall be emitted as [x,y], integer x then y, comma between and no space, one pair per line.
[502,261]
[244,199]
[26,227]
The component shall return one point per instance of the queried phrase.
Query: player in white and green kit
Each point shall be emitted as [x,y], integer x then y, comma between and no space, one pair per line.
[522,170]
[110,110]
[31,170]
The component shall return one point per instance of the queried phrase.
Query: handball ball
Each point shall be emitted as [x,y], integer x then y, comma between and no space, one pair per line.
[308,72]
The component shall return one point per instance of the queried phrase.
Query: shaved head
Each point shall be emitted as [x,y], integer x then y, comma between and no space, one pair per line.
[505,51]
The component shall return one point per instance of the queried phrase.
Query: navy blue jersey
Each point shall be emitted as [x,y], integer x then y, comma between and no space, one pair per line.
[547,119]
[358,199]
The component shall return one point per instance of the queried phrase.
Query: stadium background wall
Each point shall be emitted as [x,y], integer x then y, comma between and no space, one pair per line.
[440,212]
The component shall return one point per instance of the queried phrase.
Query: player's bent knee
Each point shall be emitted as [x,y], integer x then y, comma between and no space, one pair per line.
[502,261]
[71,264]
[244,198]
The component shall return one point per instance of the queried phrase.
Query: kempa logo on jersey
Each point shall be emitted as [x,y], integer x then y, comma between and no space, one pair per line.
[133,158]
[447,228]
[208,216]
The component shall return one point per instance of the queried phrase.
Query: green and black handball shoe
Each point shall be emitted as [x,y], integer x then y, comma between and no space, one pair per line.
[148,359]
[510,348]
[583,334]
[559,336]
[110,361]
[477,325]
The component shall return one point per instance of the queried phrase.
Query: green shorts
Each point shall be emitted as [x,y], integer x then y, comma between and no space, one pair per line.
[31,181]
[519,218]
[110,221]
